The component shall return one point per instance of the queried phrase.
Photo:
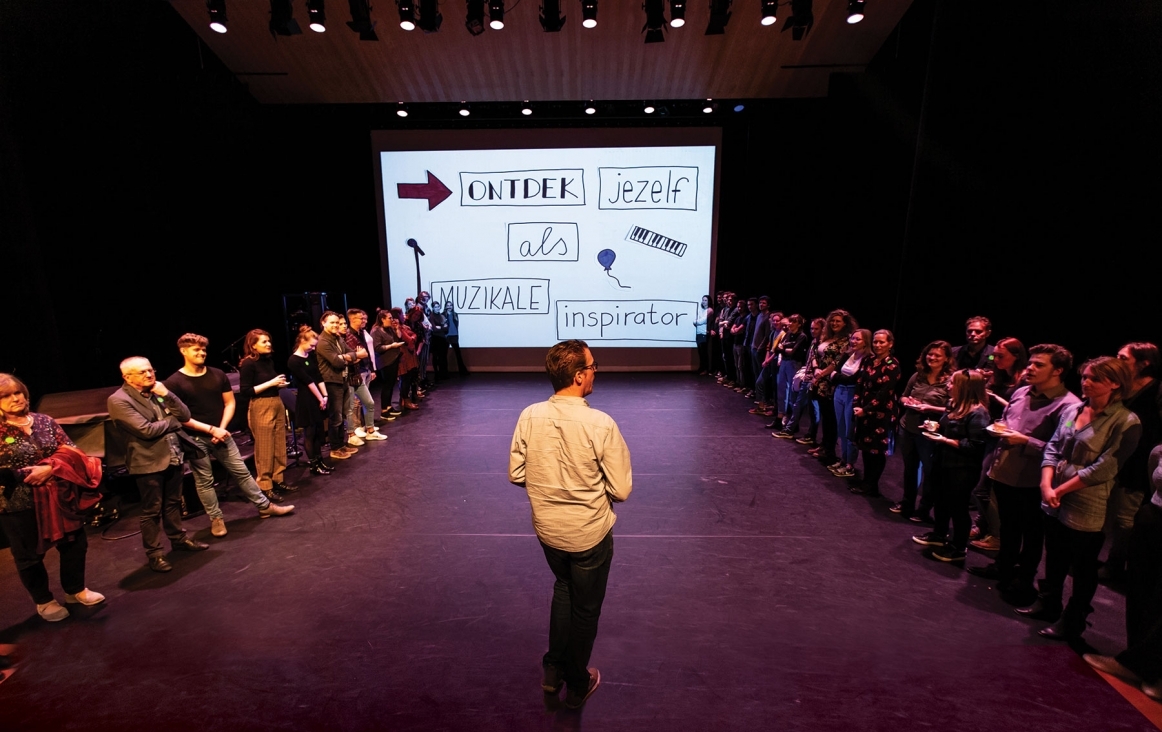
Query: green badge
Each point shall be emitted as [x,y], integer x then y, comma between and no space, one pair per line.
[10,440]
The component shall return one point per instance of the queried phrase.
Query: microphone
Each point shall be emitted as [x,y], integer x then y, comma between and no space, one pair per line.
[412,243]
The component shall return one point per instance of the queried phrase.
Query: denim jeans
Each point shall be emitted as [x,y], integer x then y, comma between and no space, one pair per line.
[577,597]
[786,399]
[801,401]
[365,407]
[845,423]
[336,395]
[227,455]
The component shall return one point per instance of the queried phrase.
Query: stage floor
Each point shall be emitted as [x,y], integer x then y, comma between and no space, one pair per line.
[749,590]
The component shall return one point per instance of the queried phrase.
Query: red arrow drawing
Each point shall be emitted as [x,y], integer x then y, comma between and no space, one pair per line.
[433,190]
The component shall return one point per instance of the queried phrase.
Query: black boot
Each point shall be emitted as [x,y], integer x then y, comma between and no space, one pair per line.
[273,496]
[1071,624]
[318,467]
[1047,608]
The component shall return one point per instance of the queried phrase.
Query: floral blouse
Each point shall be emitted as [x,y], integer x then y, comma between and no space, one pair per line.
[18,450]
[831,350]
[875,393]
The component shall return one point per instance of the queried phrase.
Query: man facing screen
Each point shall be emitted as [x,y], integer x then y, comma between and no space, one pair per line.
[574,463]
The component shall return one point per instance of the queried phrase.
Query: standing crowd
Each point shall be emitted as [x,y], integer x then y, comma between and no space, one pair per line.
[47,484]
[997,453]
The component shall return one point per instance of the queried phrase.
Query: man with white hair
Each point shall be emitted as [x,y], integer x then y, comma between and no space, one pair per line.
[149,417]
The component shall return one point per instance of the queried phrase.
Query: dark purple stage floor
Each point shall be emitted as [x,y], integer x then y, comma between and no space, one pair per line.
[749,590]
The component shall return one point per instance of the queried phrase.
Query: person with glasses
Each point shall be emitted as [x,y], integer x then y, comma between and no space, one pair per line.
[149,417]
[574,464]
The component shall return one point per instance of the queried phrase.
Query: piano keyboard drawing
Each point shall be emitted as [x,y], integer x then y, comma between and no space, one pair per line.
[642,235]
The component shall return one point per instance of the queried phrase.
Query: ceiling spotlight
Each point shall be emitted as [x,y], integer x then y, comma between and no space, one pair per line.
[282,20]
[551,18]
[401,110]
[648,109]
[217,11]
[589,13]
[801,20]
[589,108]
[316,16]
[464,111]
[496,14]
[770,10]
[854,11]
[430,17]
[474,22]
[709,106]
[739,107]
[361,21]
[677,13]
[655,20]
[407,14]
[526,110]
[719,17]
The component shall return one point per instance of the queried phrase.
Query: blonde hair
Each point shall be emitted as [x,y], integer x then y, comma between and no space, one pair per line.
[967,393]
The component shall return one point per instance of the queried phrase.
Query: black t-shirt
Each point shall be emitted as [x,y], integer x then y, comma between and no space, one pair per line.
[202,394]
[304,370]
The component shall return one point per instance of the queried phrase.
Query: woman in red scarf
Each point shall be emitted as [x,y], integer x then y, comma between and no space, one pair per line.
[32,447]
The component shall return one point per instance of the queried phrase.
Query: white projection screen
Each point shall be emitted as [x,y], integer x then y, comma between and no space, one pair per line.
[536,236]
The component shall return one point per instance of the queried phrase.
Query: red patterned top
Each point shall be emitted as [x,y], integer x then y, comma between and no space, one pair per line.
[875,393]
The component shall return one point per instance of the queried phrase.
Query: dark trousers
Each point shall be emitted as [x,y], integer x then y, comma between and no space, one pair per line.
[1143,654]
[728,360]
[742,367]
[21,529]
[828,426]
[703,352]
[1066,548]
[1022,531]
[917,452]
[336,396]
[161,506]
[407,385]
[454,342]
[440,357]
[314,434]
[953,486]
[873,468]
[577,597]
[387,377]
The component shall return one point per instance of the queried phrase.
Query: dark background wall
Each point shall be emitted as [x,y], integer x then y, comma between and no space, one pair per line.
[1003,164]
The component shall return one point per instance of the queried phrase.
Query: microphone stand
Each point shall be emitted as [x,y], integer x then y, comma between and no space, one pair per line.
[419,253]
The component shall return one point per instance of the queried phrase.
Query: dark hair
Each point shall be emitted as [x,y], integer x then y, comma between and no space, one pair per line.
[379,316]
[1112,370]
[397,313]
[248,347]
[192,339]
[1142,351]
[764,297]
[922,362]
[797,319]
[563,361]
[327,314]
[1059,357]
[356,311]
[1021,360]
[849,324]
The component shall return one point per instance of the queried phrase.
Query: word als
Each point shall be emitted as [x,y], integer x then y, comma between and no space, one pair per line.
[543,241]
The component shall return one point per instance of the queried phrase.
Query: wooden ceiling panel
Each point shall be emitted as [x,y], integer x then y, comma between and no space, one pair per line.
[611,61]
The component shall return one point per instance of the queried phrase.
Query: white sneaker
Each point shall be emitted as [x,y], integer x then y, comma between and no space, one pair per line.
[376,436]
[52,611]
[86,597]
[360,432]
[354,441]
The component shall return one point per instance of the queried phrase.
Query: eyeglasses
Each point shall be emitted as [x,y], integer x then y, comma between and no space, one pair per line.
[590,366]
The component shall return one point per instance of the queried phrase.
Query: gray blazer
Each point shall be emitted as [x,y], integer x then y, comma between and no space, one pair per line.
[146,447]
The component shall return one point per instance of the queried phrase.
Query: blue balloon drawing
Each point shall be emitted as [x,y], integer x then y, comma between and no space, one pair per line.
[605,258]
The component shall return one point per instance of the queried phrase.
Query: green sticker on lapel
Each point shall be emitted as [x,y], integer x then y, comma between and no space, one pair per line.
[161,400]
[10,440]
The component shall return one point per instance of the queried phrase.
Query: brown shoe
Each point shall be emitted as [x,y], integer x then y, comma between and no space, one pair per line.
[574,700]
[1109,665]
[275,510]
[342,453]
[218,526]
